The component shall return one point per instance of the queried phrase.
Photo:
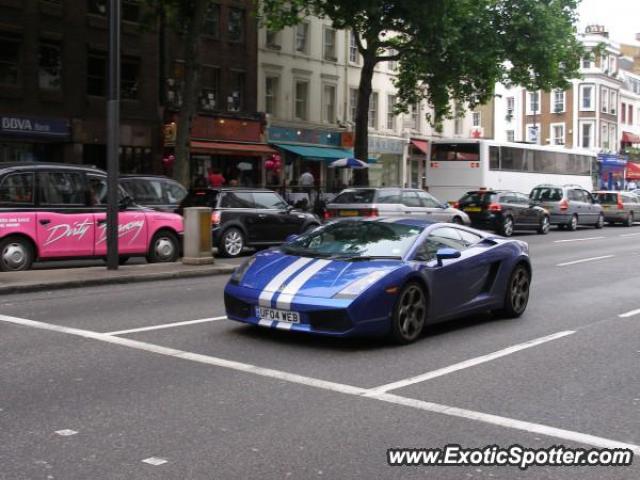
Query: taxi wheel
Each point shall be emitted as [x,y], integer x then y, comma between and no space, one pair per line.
[164,247]
[517,296]
[409,315]
[16,254]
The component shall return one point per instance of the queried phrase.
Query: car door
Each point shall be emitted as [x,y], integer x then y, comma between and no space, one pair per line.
[238,208]
[458,282]
[281,220]
[65,226]
[510,206]
[434,209]
[528,214]
[412,204]
[132,223]
[591,207]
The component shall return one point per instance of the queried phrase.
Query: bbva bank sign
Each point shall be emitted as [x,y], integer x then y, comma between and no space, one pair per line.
[28,126]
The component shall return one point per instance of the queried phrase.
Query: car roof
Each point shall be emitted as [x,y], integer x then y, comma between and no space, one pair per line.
[47,166]
[413,221]
[145,175]
[231,189]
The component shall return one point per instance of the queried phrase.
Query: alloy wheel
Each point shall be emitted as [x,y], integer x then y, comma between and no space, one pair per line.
[520,290]
[411,312]
[233,243]
[507,227]
[545,226]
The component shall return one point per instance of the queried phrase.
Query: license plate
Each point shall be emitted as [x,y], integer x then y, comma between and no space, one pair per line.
[275,315]
[473,209]
[606,207]
[348,213]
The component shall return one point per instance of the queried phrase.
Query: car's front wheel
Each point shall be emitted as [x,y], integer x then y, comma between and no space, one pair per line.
[232,243]
[600,223]
[517,295]
[409,315]
[16,254]
[164,248]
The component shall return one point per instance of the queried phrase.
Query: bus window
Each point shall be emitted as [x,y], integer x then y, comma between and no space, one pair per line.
[455,152]
[494,158]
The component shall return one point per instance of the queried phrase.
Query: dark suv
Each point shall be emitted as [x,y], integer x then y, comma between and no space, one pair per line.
[248,217]
[504,212]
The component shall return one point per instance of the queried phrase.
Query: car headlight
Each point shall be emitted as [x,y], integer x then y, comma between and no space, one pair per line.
[356,288]
[238,273]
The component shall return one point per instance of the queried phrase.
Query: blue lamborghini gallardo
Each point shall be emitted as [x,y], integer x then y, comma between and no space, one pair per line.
[382,276]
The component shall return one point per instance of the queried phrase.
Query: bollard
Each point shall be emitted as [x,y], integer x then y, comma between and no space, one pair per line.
[197,236]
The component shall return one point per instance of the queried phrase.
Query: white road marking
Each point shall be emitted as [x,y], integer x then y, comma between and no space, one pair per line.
[632,313]
[627,235]
[155,461]
[66,432]
[585,260]
[578,239]
[332,386]
[166,325]
[468,363]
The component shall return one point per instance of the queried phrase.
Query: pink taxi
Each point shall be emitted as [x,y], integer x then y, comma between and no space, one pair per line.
[57,211]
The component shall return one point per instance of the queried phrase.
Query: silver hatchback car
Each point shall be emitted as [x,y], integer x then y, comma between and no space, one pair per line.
[568,205]
[619,207]
[389,202]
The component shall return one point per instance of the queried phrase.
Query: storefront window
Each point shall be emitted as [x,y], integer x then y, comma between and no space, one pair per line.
[49,66]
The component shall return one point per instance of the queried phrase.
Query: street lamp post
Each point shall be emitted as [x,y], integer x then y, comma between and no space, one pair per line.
[113,134]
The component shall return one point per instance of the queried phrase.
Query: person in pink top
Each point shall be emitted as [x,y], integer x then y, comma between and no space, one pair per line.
[216,179]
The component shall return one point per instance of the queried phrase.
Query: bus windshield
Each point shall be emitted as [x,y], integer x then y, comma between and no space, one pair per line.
[452,152]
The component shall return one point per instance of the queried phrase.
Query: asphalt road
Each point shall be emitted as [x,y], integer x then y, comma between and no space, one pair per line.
[218,400]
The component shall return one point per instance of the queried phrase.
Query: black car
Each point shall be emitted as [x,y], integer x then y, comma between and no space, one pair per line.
[154,191]
[504,212]
[248,217]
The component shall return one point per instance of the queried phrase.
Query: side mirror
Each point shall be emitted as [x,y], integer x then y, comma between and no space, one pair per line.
[291,238]
[445,206]
[447,254]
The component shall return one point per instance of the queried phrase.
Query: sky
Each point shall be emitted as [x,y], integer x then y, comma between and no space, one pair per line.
[620,17]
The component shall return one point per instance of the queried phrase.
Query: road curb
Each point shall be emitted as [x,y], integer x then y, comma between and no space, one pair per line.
[115,280]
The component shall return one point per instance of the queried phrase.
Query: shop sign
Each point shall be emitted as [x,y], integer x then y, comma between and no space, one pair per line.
[302,135]
[34,127]
[385,145]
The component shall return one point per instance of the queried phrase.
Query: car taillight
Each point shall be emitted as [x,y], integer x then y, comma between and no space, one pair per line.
[564,204]
[369,212]
[456,204]
[215,218]
[326,215]
[495,207]
[620,204]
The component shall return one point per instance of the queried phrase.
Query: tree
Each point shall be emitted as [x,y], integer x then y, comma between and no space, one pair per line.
[448,50]
[186,18]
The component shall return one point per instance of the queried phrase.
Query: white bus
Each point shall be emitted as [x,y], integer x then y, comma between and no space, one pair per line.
[455,167]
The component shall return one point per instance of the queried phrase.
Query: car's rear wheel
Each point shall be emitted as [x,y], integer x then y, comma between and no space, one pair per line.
[600,223]
[164,247]
[410,314]
[232,243]
[457,220]
[16,254]
[572,226]
[630,220]
[545,225]
[517,295]
[506,227]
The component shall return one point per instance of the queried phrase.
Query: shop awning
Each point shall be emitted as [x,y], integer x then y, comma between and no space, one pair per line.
[633,171]
[628,137]
[315,152]
[228,148]
[421,145]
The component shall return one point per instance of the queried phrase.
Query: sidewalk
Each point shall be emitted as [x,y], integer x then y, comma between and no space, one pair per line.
[54,279]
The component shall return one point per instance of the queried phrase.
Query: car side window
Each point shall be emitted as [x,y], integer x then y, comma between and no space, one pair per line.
[411,199]
[268,200]
[62,188]
[508,198]
[428,201]
[469,239]
[574,195]
[237,200]
[173,192]
[97,187]
[444,237]
[587,198]
[522,198]
[17,189]
[144,192]
[389,196]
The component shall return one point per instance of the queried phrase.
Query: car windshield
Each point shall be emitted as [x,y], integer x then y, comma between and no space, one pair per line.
[606,198]
[478,198]
[546,194]
[355,196]
[356,239]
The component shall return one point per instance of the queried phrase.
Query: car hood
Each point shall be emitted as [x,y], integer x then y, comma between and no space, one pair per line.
[313,277]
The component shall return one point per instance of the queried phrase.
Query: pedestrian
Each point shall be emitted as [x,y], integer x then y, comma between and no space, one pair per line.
[306,180]
[216,179]
[632,185]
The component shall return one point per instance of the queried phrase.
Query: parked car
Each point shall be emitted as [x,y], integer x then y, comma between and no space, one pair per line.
[569,205]
[154,191]
[52,211]
[504,212]
[381,276]
[245,217]
[619,207]
[374,202]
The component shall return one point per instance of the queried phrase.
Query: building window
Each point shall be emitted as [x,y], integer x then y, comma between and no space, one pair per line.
[9,60]
[210,88]
[273,39]
[271,85]
[511,105]
[236,25]
[211,26]
[329,103]
[373,110]
[604,99]
[49,66]
[353,104]
[476,119]
[613,105]
[604,136]
[235,101]
[97,7]
[96,74]
[586,63]
[630,116]
[511,136]
[354,54]
[391,114]
[302,34]
[558,101]
[457,126]
[586,135]
[557,133]
[329,46]
[623,113]
[586,97]
[393,64]
[302,94]
[129,78]
[534,102]
[130,9]
[533,133]
[414,123]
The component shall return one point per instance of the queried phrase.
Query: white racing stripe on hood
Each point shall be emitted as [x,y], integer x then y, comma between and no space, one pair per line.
[290,291]
[269,291]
